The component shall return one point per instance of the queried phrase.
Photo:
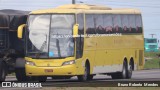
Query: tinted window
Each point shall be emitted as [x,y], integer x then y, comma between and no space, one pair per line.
[138,24]
[108,23]
[125,23]
[90,24]
[151,40]
[80,21]
[80,40]
[99,24]
[132,26]
[117,23]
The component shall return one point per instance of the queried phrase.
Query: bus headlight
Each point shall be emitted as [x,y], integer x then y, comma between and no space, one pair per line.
[30,63]
[147,48]
[69,62]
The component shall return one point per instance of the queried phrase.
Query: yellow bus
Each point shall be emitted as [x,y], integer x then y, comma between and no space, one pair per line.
[83,40]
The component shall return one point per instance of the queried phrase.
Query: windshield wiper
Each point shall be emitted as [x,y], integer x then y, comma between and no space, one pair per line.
[58,47]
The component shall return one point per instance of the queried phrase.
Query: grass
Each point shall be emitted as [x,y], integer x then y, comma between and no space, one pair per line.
[152,64]
[151,54]
[152,60]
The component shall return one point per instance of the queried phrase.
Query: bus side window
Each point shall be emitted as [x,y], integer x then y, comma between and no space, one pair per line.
[99,27]
[90,29]
[132,26]
[108,23]
[117,24]
[125,23]
[138,24]
[80,40]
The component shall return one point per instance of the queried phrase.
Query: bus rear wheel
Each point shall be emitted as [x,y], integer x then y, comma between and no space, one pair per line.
[129,71]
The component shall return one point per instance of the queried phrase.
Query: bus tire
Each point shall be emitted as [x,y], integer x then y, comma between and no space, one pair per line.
[21,75]
[90,77]
[20,70]
[3,71]
[85,76]
[124,71]
[33,78]
[129,71]
[121,75]
[42,79]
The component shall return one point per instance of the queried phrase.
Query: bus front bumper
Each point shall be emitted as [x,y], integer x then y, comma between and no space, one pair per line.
[68,70]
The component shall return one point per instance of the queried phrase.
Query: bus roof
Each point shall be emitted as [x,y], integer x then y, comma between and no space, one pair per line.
[150,38]
[85,8]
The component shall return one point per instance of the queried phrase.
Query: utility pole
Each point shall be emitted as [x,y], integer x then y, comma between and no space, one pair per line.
[152,35]
[73,1]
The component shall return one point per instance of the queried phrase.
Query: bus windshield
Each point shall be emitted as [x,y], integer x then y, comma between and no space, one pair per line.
[46,36]
[151,40]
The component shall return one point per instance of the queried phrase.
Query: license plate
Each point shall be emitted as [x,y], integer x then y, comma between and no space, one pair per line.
[48,70]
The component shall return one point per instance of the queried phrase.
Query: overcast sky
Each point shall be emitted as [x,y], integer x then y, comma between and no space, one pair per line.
[150,9]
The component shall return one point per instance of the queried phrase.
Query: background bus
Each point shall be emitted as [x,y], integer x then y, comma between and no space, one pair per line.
[112,49]
[151,44]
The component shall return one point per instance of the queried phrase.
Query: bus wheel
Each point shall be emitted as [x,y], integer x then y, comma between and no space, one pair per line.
[20,70]
[85,76]
[21,75]
[124,71]
[90,77]
[121,75]
[3,71]
[33,78]
[42,79]
[129,71]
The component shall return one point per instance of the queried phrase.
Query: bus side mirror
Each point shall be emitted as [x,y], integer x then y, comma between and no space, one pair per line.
[75,30]
[20,31]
